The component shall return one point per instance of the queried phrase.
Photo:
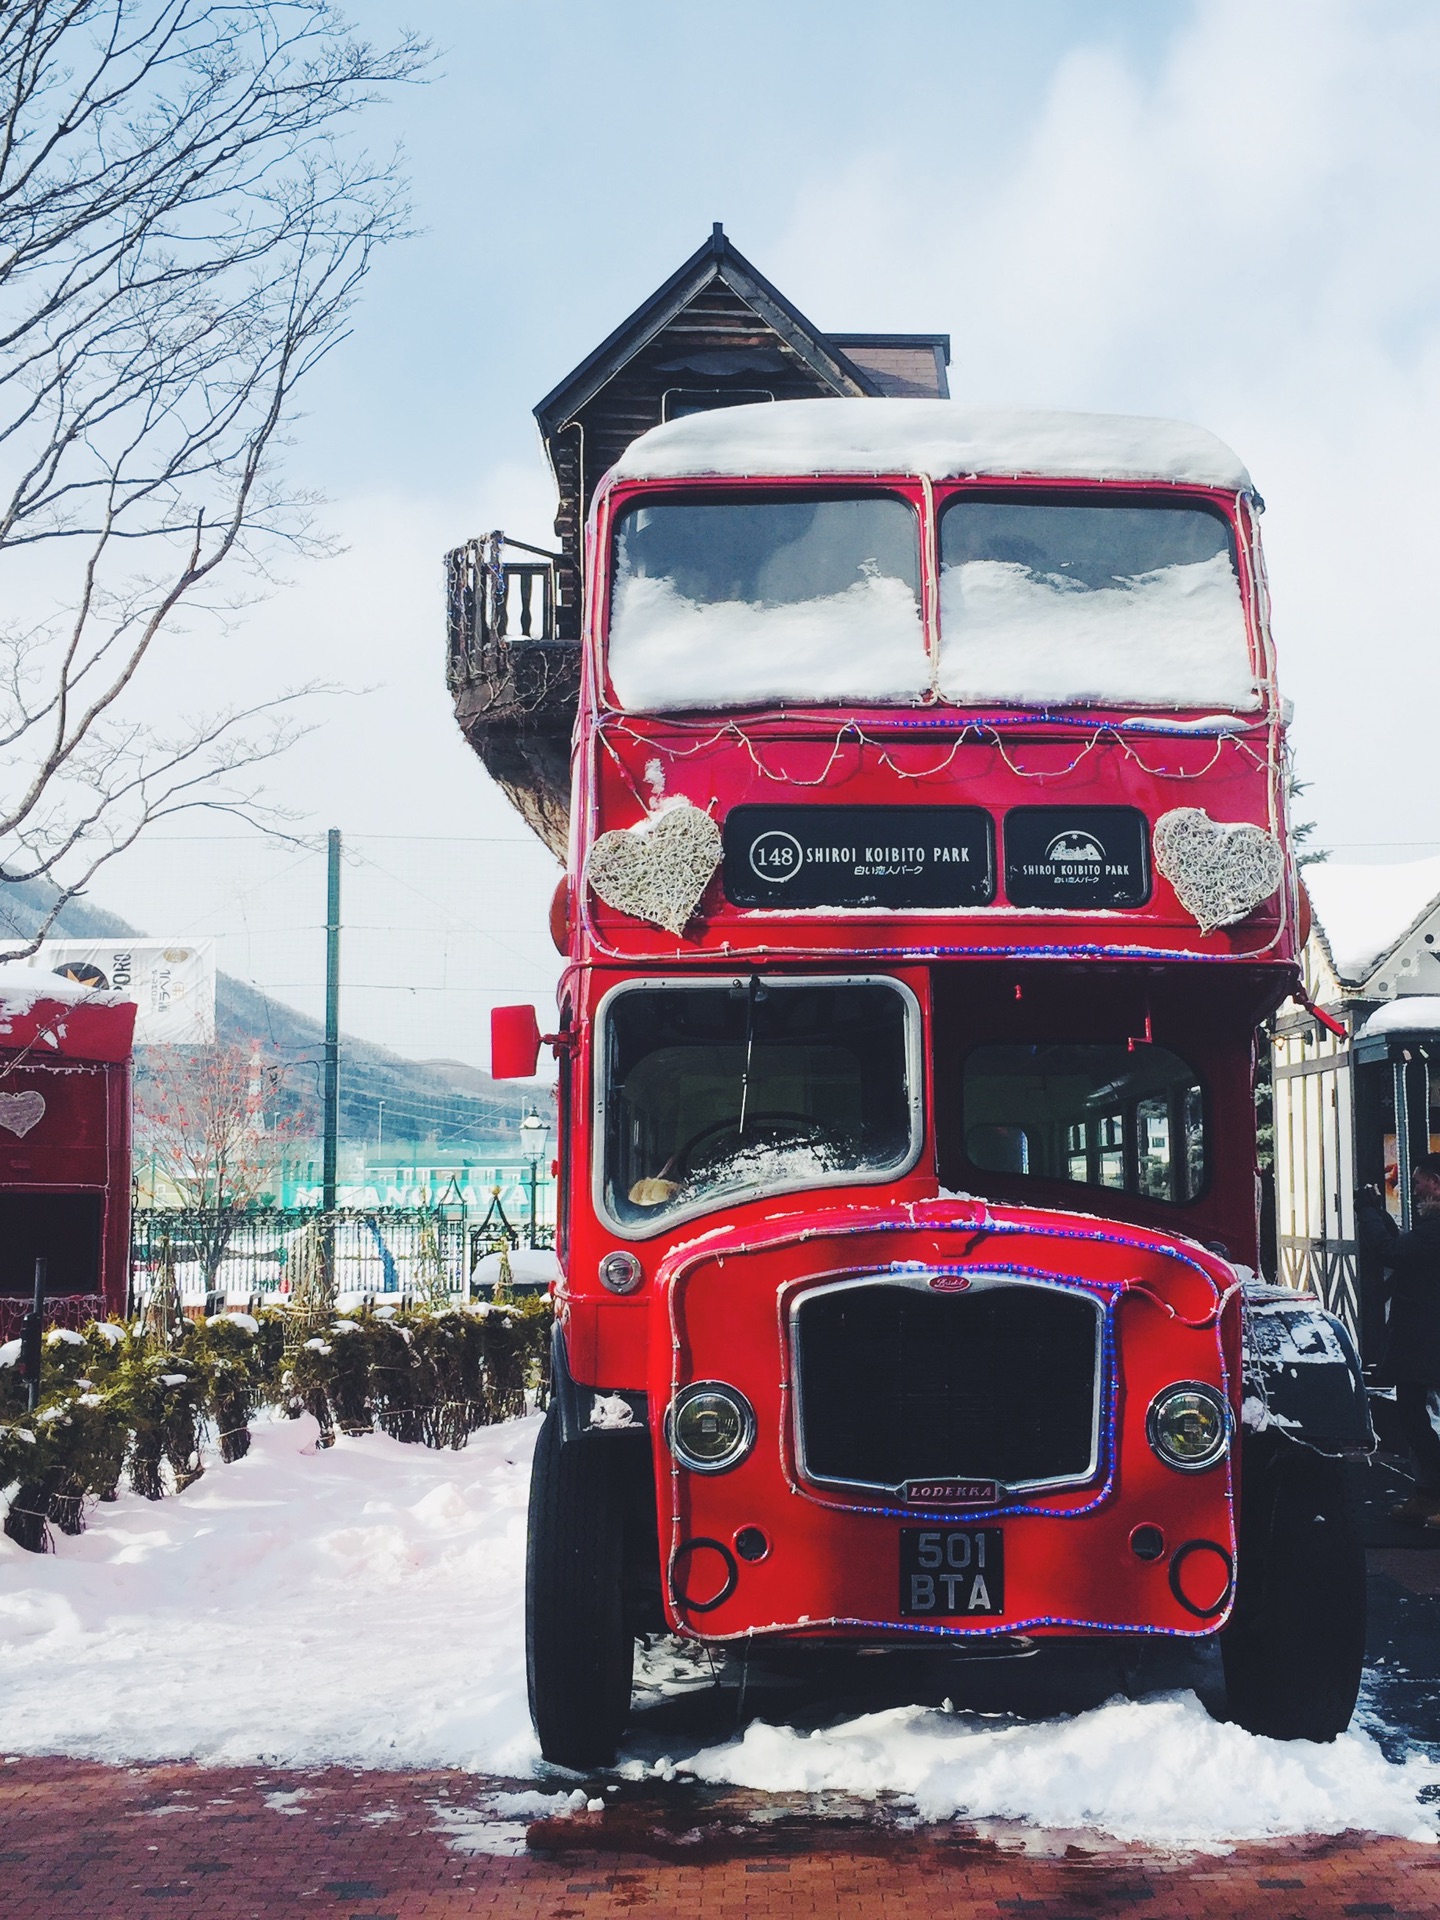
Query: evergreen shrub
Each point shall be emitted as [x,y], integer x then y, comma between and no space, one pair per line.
[140,1401]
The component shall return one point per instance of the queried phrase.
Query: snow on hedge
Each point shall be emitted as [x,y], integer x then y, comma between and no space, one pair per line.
[938,438]
[363,1606]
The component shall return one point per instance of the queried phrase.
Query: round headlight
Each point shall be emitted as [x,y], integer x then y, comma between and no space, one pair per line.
[1188,1425]
[712,1427]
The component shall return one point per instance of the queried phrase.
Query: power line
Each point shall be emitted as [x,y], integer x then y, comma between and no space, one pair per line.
[385,986]
[416,839]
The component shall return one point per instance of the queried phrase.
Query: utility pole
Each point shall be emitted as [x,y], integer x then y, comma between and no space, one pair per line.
[332,1020]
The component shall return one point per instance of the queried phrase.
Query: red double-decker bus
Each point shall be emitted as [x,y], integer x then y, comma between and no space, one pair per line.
[928,879]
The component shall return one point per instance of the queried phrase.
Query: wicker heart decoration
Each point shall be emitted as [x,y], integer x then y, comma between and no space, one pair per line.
[658,870]
[19,1112]
[1219,872]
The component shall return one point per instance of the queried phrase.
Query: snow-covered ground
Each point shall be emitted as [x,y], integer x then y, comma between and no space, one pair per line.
[363,1605]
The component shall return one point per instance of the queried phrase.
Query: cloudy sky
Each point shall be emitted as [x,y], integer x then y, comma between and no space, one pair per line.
[1222,210]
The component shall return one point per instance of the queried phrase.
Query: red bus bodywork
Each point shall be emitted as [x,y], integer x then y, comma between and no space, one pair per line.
[64,1153]
[765,1548]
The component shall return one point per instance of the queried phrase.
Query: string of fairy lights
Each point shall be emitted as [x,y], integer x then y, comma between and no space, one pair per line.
[1259,742]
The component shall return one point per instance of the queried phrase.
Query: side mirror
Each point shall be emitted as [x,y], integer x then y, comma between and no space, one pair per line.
[514,1043]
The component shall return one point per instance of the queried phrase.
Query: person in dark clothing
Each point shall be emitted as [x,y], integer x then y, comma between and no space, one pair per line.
[1411,1359]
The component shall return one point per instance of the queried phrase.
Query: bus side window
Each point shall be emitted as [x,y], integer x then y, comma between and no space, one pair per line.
[1093,1113]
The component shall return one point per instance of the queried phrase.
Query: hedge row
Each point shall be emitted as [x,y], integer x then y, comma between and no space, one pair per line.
[139,1401]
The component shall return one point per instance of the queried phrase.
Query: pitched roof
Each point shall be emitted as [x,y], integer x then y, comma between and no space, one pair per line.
[717,259]
[1365,913]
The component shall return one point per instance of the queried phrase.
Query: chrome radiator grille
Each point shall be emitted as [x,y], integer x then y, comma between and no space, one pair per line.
[899,1381]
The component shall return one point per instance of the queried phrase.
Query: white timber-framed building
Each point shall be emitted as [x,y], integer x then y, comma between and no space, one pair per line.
[1359,1110]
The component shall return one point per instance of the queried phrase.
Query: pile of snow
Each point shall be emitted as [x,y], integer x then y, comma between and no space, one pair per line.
[670,652]
[1174,637]
[363,1606]
[1365,910]
[938,438]
[1157,1770]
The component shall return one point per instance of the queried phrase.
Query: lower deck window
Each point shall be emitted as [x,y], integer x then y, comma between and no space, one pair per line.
[721,1091]
[63,1228]
[1100,1116]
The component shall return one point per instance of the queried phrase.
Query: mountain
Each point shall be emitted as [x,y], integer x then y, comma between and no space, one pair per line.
[438,1103]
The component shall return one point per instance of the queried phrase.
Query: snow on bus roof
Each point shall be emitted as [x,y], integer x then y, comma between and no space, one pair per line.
[938,438]
[1365,911]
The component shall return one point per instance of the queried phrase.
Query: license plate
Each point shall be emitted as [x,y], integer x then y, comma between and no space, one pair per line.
[951,1572]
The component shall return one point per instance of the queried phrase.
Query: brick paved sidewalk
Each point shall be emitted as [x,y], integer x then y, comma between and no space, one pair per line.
[167,1843]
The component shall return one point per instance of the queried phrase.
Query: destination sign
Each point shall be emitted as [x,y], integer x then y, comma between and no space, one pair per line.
[791,857]
[1076,857]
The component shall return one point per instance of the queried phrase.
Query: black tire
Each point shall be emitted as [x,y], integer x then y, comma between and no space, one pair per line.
[579,1651]
[1294,1649]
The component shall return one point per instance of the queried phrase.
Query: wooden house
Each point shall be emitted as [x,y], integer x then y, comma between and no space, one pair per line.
[716,334]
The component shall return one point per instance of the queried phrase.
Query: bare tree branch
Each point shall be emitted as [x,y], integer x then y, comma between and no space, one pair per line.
[184,223]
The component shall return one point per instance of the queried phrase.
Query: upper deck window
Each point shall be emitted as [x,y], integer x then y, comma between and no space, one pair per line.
[724,1091]
[742,602]
[1056,603]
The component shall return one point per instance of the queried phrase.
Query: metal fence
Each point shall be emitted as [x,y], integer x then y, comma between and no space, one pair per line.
[215,1259]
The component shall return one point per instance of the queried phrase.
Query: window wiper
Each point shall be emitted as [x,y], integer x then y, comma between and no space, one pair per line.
[752,994]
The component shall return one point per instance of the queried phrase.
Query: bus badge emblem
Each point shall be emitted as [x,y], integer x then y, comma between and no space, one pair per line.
[951,1493]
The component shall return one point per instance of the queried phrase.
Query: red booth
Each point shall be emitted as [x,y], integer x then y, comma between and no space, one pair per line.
[64,1148]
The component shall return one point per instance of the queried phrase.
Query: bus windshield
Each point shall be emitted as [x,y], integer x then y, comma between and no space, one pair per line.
[730,602]
[716,1092]
[1058,602]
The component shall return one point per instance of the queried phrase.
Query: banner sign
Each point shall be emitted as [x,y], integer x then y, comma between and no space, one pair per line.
[171,981]
[926,857]
[1076,857]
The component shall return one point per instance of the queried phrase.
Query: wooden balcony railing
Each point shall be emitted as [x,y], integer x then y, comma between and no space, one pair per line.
[493,602]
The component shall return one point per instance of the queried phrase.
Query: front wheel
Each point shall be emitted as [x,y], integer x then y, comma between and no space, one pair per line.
[579,1652]
[1295,1647]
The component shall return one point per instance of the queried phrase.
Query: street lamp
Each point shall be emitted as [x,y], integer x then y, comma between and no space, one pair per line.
[534,1129]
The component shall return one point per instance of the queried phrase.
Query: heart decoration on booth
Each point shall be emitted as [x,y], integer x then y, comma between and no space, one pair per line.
[19,1112]
[1220,870]
[658,870]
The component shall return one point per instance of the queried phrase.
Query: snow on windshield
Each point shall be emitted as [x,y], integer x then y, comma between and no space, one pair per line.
[738,603]
[668,652]
[1051,604]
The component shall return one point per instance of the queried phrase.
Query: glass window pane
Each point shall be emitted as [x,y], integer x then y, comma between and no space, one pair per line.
[736,603]
[718,1091]
[1067,603]
[1096,1115]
